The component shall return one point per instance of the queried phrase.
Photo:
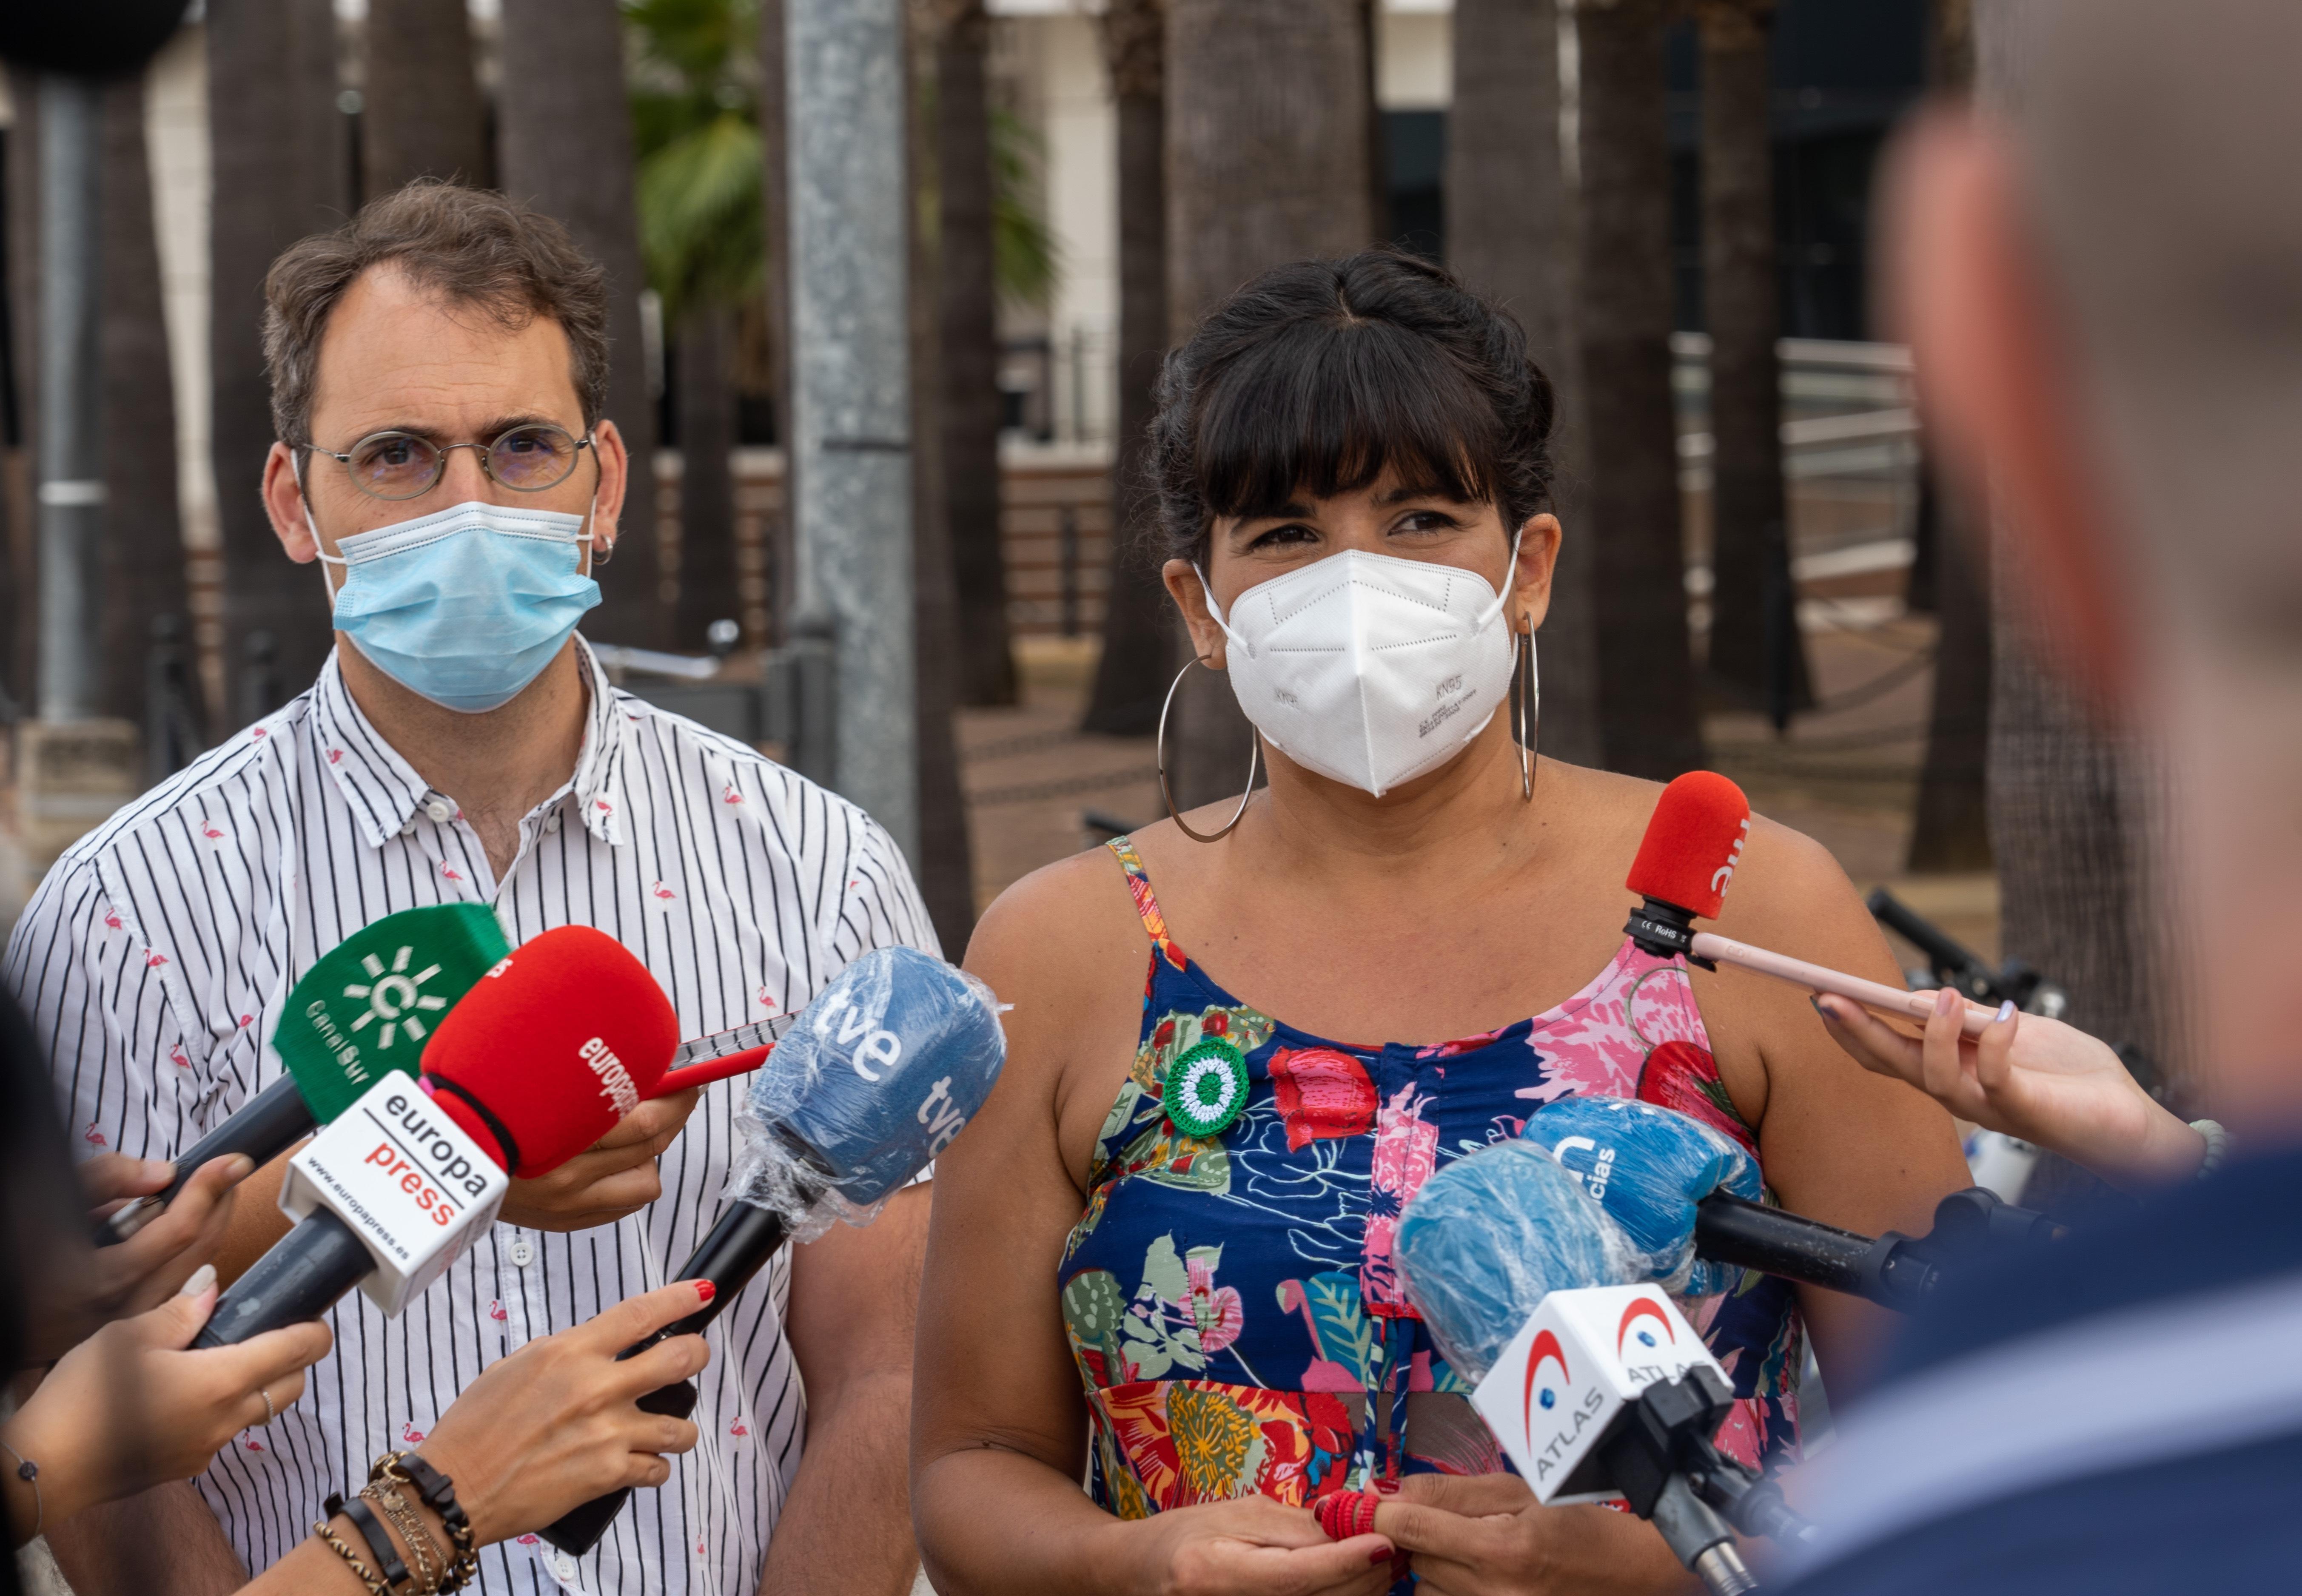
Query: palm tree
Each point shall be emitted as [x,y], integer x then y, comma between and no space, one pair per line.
[1646,679]
[277,160]
[562,146]
[1510,235]
[1756,647]
[697,138]
[420,115]
[1138,640]
[144,542]
[1267,141]
[970,353]
[946,868]
[1949,827]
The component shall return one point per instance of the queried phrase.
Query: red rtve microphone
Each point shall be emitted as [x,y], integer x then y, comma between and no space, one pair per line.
[561,1040]
[1689,854]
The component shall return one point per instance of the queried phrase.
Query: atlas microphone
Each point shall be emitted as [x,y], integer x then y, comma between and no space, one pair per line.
[1594,1384]
[363,1011]
[873,1080]
[1693,843]
[1687,1196]
[553,1045]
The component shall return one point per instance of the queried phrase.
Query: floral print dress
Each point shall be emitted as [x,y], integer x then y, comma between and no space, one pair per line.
[1230,1300]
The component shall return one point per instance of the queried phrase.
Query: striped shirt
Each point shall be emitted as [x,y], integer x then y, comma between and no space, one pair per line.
[156,954]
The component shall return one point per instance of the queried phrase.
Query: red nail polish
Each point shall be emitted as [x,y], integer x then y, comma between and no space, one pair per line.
[1378,1557]
[705,1291]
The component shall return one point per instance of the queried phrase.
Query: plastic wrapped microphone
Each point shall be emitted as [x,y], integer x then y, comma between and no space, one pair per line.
[1648,1167]
[1490,1236]
[879,1073]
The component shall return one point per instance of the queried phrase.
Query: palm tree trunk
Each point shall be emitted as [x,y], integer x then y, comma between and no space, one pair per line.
[277,176]
[970,383]
[420,115]
[1268,111]
[564,146]
[1646,677]
[1756,649]
[777,216]
[945,865]
[1949,576]
[1138,641]
[1511,235]
[2074,806]
[707,478]
[19,605]
[144,540]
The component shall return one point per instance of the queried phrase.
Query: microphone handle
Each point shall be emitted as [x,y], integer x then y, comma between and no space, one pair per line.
[267,1125]
[742,1242]
[1729,1229]
[303,1275]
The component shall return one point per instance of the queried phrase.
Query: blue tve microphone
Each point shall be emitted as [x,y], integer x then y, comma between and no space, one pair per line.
[874,1077]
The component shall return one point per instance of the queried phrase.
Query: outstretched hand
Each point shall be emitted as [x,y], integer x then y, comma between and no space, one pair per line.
[2038,1079]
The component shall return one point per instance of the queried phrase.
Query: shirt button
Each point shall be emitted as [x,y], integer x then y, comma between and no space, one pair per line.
[438,810]
[563,1566]
[522,1252]
[551,821]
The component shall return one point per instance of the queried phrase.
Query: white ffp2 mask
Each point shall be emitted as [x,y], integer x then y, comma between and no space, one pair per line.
[1367,668]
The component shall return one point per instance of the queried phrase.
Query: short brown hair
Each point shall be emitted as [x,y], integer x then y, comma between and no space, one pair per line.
[470,247]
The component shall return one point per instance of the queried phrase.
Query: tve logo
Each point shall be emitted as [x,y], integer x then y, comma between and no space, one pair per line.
[880,1046]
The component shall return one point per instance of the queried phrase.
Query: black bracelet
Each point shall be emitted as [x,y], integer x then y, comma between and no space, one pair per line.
[371,1531]
[437,1491]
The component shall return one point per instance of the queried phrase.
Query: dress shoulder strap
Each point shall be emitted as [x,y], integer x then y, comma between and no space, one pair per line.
[1146,906]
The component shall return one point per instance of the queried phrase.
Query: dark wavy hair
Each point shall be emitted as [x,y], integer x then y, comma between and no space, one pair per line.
[1320,375]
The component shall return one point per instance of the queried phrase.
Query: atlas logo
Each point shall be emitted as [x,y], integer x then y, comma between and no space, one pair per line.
[395,997]
[1645,1307]
[1725,873]
[1545,1350]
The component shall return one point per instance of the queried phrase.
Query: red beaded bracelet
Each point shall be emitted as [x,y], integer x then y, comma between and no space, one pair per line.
[1346,1513]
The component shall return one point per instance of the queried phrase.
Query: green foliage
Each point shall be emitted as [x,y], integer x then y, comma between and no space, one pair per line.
[695,128]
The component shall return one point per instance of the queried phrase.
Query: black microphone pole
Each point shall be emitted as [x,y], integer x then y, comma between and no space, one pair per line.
[1894,1271]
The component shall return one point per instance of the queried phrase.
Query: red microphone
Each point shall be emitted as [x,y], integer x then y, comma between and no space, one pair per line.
[571,1029]
[1693,846]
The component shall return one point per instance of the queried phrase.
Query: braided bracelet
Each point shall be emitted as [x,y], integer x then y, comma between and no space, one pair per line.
[371,1531]
[2218,1144]
[367,1576]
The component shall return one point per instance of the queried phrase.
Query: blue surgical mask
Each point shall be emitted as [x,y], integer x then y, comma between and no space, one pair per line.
[465,605]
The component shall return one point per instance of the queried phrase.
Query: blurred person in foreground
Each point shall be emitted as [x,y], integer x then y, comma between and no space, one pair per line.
[109,1416]
[437,368]
[2104,299]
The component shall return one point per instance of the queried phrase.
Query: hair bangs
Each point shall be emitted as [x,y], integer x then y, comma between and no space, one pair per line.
[1328,407]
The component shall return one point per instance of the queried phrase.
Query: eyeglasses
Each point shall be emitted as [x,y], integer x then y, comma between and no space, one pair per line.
[527,460]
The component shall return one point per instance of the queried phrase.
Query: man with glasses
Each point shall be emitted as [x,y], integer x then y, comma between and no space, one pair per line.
[438,370]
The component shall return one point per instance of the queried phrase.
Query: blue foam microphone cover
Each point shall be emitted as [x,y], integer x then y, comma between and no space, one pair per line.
[1491,1235]
[884,1067]
[1647,1166]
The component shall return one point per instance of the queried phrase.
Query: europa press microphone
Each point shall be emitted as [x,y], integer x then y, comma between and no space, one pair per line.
[362,1012]
[553,1045]
[1596,1388]
[878,1073]
[1688,1197]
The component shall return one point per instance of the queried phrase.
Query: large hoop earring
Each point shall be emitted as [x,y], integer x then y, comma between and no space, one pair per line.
[1529,704]
[1254,763]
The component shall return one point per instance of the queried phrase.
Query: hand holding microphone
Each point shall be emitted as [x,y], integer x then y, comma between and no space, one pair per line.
[2034,1078]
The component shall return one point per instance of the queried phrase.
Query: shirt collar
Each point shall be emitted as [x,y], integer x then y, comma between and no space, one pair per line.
[384,791]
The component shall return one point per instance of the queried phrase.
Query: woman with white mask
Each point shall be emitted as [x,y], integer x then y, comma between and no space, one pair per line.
[1162,1255]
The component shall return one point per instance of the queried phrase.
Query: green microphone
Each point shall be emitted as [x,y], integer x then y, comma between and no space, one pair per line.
[362,1012]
